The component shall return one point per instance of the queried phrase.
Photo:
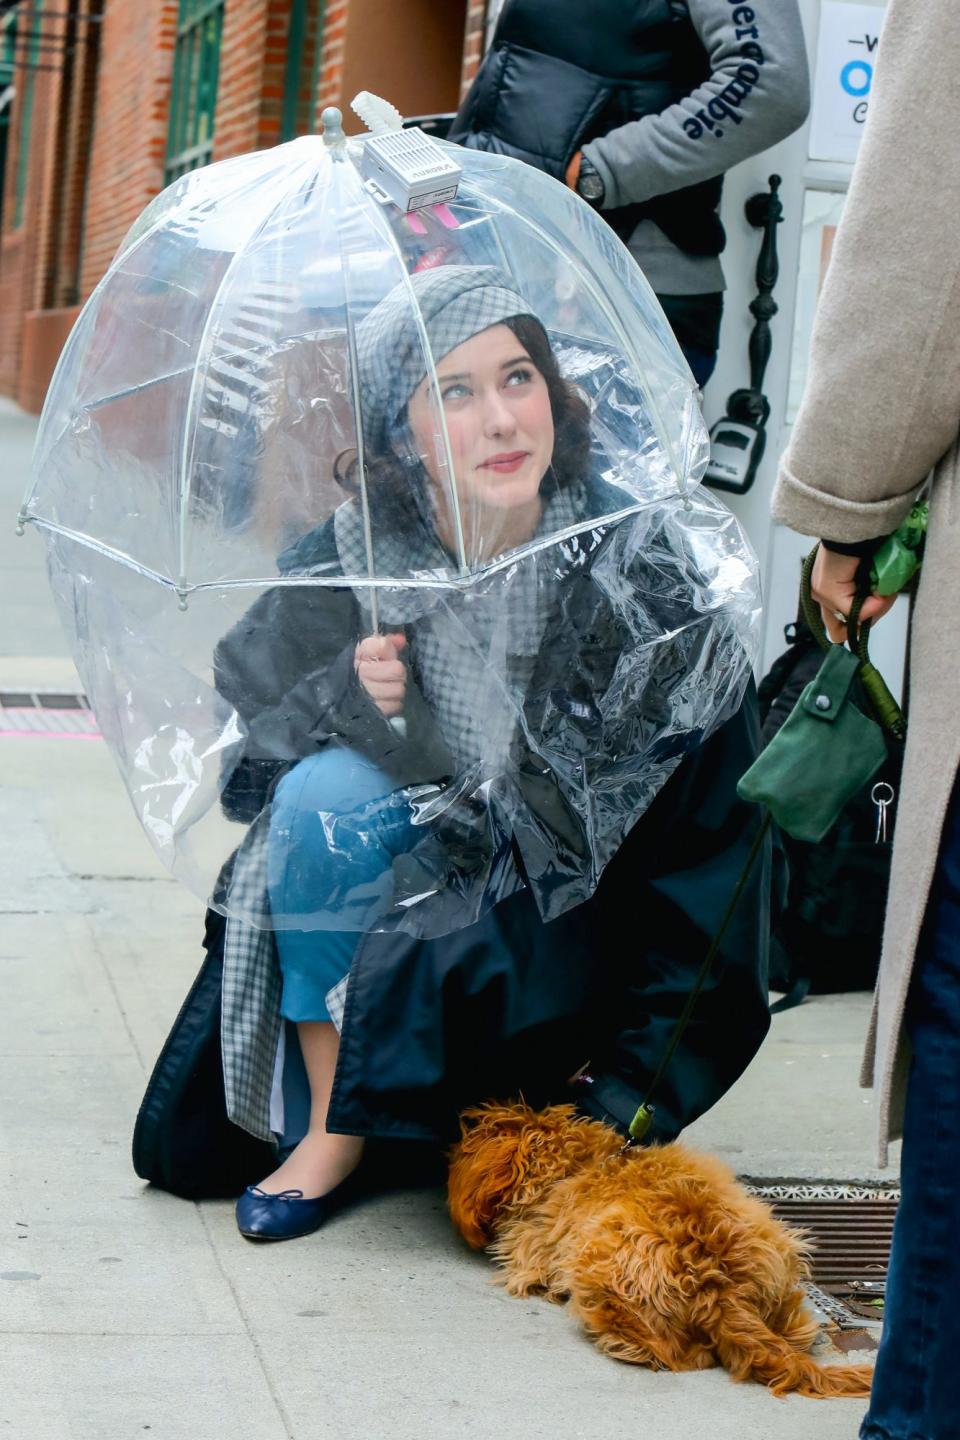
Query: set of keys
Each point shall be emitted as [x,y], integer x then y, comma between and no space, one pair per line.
[882,796]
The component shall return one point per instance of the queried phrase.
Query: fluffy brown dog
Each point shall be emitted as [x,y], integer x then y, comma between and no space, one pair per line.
[662,1254]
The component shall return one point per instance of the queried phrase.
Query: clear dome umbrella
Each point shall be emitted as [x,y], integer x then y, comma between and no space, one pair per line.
[274,392]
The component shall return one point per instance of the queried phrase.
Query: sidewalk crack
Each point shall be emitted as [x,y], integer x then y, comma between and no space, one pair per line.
[255,1344]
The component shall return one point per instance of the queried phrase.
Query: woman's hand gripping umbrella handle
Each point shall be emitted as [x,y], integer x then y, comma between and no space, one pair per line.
[383,675]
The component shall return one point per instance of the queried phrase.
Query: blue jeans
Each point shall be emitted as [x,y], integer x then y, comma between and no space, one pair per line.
[336,824]
[916,1389]
[695,321]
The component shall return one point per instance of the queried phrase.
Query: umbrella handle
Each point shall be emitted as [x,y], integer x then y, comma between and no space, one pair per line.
[397,723]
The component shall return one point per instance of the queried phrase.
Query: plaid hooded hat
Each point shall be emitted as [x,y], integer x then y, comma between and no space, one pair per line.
[456,302]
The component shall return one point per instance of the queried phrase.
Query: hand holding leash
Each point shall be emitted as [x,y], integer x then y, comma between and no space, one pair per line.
[833,585]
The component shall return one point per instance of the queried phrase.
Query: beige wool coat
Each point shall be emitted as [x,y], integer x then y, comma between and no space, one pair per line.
[881,412]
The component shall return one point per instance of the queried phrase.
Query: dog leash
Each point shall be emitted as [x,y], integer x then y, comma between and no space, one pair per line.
[643,1117]
[885,708]
[888,714]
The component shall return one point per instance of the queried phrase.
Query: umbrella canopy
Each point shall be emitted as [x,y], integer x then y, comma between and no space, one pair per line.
[206,391]
[284,386]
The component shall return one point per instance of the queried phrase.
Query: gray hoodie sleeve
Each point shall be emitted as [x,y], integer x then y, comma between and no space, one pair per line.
[758,93]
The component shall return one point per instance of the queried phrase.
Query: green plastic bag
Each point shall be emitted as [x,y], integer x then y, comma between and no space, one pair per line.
[900,556]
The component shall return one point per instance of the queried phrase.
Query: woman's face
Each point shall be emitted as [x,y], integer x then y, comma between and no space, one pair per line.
[498,418]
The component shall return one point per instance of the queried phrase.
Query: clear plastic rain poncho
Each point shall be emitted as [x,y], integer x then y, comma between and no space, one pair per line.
[396,513]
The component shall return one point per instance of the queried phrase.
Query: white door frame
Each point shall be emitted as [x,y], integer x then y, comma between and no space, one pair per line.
[780,551]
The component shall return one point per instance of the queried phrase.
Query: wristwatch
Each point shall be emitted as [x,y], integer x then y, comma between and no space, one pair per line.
[589,183]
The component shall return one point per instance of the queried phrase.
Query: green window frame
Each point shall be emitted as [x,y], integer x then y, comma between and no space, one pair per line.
[193,88]
[293,120]
[8,48]
[32,58]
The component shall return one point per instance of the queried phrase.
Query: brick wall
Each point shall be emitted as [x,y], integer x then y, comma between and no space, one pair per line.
[247,118]
[253,67]
[130,127]
[307,116]
[24,249]
[473,43]
[99,130]
[61,136]
[410,53]
[46,151]
[237,119]
[77,130]
[329,89]
[97,144]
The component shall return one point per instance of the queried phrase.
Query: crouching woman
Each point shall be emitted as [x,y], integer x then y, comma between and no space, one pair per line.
[493,794]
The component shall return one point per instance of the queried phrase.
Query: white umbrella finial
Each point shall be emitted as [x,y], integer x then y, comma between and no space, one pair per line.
[332,122]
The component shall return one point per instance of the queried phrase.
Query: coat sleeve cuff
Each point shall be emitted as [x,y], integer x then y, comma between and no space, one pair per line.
[854,549]
[814,512]
[611,188]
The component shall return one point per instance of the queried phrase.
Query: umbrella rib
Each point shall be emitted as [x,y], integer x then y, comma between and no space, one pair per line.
[92,405]
[358,418]
[299,581]
[202,366]
[70,346]
[100,547]
[612,319]
[391,239]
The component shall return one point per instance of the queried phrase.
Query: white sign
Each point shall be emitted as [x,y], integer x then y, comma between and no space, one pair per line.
[846,56]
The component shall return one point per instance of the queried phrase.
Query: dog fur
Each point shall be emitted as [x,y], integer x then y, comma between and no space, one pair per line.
[663,1256]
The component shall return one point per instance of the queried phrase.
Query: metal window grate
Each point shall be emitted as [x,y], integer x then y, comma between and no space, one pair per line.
[851,1231]
[25,713]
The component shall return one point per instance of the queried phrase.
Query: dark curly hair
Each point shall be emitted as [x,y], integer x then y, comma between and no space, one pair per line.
[402,486]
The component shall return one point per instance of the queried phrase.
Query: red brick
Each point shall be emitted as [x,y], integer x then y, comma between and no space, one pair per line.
[82,196]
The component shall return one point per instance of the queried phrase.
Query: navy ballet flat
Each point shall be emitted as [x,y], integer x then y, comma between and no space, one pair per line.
[287,1215]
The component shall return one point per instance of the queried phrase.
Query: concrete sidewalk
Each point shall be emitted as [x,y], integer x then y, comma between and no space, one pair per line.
[126,1312]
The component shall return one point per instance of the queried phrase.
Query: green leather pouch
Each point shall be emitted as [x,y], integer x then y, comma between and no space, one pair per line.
[825,751]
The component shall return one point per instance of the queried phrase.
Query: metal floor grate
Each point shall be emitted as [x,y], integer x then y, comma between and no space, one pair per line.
[26,713]
[851,1230]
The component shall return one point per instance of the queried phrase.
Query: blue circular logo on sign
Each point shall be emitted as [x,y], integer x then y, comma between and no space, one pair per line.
[856,77]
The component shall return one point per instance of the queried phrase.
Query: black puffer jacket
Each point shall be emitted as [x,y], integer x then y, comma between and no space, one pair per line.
[548,87]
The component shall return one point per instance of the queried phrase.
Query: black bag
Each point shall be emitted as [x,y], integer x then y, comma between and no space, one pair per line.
[828,935]
[183,1141]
